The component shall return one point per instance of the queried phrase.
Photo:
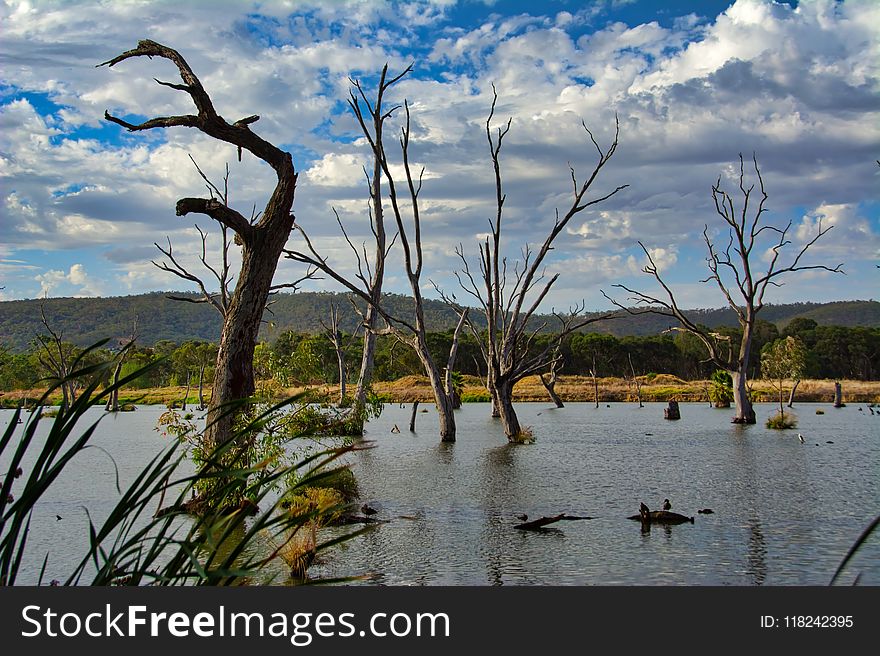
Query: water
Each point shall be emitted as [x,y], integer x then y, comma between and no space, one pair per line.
[785,513]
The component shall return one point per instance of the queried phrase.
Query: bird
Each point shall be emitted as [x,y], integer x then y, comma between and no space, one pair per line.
[367,510]
[706,511]
[643,508]
[57,518]
[667,505]
[801,438]
[523,517]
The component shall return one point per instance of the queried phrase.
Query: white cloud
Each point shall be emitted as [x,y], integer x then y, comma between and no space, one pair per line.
[76,282]
[799,86]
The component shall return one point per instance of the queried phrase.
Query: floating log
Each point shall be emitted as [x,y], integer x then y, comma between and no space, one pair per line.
[544,521]
[661,517]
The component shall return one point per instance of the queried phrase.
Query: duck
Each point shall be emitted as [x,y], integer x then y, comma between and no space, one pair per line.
[523,517]
[643,509]
[667,505]
[801,438]
[367,510]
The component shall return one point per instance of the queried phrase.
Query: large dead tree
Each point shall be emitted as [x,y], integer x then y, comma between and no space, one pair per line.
[736,269]
[261,240]
[412,331]
[510,299]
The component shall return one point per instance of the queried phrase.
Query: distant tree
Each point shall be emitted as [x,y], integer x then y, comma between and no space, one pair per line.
[734,269]
[783,359]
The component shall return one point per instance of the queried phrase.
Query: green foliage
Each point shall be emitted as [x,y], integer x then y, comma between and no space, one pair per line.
[132,546]
[782,359]
[480,396]
[721,388]
[782,421]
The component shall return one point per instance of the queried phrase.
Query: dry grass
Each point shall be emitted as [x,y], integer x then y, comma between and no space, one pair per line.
[662,387]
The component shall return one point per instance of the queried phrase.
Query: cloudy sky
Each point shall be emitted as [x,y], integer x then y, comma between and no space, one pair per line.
[694,83]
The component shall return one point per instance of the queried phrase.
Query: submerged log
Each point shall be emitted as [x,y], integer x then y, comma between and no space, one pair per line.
[661,517]
[544,521]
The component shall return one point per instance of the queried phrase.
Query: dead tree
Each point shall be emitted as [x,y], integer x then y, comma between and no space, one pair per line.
[334,334]
[734,270]
[125,347]
[59,359]
[635,380]
[408,220]
[549,382]
[261,239]
[509,300]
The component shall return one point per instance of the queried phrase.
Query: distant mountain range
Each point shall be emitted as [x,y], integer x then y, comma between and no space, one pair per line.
[84,321]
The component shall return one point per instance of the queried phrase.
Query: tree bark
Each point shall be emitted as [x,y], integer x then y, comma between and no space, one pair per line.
[550,385]
[509,420]
[113,399]
[838,395]
[792,393]
[201,386]
[412,417]
[745,414]
[186,392]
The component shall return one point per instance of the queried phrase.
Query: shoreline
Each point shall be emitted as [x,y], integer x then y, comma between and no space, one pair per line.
[659,388]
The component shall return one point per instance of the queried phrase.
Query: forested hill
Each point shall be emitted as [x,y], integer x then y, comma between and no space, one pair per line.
[84,321]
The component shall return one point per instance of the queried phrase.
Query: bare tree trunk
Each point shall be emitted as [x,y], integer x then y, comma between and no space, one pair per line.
[340,361]
[636,381]
[838,395]
[201,386]
[595,381]
[261,240]
[745,414]
[113,399]
[509,420]
[550,385]
[186,393]
[792,393]
[412,417]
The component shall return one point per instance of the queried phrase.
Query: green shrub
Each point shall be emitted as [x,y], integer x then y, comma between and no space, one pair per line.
[782,421]
[481,396]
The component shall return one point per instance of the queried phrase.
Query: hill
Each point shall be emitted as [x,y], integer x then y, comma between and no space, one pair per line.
[84,321]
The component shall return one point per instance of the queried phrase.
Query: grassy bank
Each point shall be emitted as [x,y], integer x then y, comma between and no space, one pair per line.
[660,387]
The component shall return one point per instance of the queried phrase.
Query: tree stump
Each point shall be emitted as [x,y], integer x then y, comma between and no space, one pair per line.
[672,411]
[838,396]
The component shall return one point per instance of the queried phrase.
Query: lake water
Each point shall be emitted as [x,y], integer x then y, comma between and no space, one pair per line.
[785,513]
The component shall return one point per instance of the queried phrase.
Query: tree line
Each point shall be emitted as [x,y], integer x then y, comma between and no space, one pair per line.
[298,358]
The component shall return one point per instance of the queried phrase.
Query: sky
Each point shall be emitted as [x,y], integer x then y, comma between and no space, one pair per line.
[692,83]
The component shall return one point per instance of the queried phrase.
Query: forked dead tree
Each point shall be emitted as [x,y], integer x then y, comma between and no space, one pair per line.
[334,334]
[261,240]
[737,272]
[407,217]
[508,299]
[126,345]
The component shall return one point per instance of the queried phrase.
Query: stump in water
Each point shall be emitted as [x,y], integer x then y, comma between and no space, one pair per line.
[838,396]
[412,418]
[672,412]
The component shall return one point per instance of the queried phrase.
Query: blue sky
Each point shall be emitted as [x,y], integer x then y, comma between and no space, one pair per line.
[693,84]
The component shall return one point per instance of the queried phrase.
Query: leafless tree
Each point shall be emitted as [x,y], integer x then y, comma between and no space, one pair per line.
[334,334]
[635,380]
[734,269]
[408,220]
[59,358]
[510,299]
[126,344]
[261,240]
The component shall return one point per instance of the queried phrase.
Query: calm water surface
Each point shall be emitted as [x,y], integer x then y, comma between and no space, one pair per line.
[785,513]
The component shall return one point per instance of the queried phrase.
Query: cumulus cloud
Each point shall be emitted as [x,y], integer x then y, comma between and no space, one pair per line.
[75,282]
[797,85]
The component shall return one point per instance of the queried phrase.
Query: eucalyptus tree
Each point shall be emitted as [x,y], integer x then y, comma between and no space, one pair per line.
[510,294]
[737,270]
[261,237]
